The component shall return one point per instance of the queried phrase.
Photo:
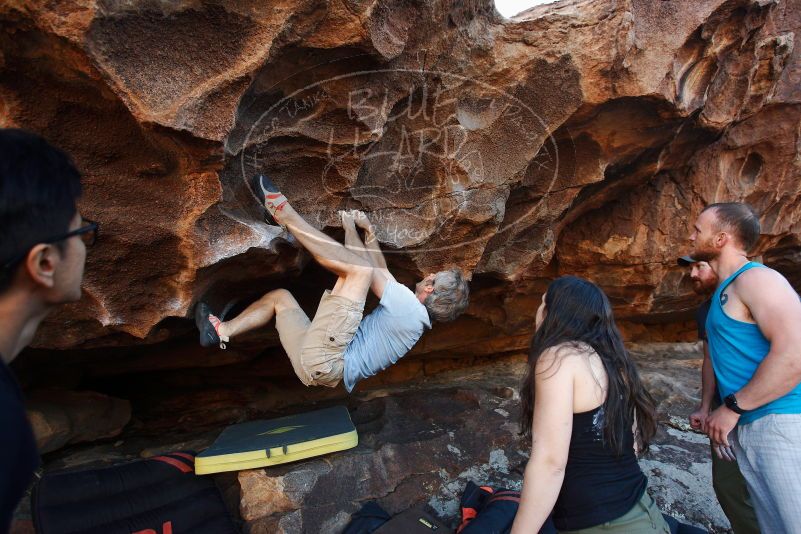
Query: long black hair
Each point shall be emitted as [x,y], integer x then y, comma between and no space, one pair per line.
[578,313]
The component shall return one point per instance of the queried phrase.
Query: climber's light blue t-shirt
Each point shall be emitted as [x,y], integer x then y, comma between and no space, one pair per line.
[385,335]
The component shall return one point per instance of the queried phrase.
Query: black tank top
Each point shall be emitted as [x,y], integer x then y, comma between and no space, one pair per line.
[599,486]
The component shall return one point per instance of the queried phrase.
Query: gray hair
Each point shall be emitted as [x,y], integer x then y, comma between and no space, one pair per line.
[450,296]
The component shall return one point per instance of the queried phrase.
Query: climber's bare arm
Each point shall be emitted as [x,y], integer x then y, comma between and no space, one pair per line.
[381,274]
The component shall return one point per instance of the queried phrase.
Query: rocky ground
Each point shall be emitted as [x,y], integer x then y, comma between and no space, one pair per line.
[422,442]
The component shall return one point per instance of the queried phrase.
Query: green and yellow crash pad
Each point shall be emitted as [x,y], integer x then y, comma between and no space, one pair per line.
[277,441]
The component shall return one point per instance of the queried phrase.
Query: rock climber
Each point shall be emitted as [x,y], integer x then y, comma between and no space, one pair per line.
[338,344]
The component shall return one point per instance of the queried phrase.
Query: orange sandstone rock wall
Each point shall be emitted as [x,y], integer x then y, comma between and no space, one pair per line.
[581,137]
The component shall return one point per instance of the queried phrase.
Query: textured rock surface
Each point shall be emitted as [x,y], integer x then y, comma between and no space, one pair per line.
[424,445]
[580,137]
[418,443]
[62,418]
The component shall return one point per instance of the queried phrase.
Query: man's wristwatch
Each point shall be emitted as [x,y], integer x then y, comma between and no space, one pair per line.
[731,403]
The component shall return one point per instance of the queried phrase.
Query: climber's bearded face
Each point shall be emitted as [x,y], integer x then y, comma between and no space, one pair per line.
[706,237]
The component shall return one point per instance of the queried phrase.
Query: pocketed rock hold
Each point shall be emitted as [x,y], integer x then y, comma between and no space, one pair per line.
[577,138]
[264,495]
[60,417]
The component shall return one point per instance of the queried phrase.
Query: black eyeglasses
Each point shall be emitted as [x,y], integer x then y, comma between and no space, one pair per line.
[87,232]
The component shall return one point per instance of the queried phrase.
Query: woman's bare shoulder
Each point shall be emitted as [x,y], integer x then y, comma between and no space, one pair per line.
[564,356]
[567,350]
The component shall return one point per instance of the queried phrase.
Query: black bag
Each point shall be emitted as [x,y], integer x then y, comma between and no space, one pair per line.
[677,527]
[367,520]
[372,519]
[489,511]
[413,521]
[160,495]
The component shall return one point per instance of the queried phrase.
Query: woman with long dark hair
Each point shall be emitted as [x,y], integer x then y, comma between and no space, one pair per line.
[586,409]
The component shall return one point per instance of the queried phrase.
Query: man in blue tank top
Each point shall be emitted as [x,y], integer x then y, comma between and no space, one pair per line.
[727,481]
[754,334]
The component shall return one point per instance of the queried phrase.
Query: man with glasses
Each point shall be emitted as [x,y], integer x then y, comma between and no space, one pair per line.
[42,254]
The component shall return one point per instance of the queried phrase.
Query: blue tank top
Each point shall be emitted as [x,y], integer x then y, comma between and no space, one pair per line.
[737,348]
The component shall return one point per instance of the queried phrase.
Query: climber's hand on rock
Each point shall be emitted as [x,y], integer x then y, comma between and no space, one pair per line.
[361,220]
[346,216]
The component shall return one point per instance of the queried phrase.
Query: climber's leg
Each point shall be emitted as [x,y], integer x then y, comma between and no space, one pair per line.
[332,255]
[258,314]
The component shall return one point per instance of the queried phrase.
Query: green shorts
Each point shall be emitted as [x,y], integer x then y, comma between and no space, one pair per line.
[643,518]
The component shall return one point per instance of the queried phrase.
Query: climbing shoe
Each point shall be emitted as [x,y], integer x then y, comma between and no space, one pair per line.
[207,324]
[268,192]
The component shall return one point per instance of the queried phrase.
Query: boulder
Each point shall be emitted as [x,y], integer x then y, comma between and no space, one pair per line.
[61,417]
[578,137]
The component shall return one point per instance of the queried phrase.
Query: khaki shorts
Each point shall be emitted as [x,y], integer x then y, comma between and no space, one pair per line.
[317,348]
